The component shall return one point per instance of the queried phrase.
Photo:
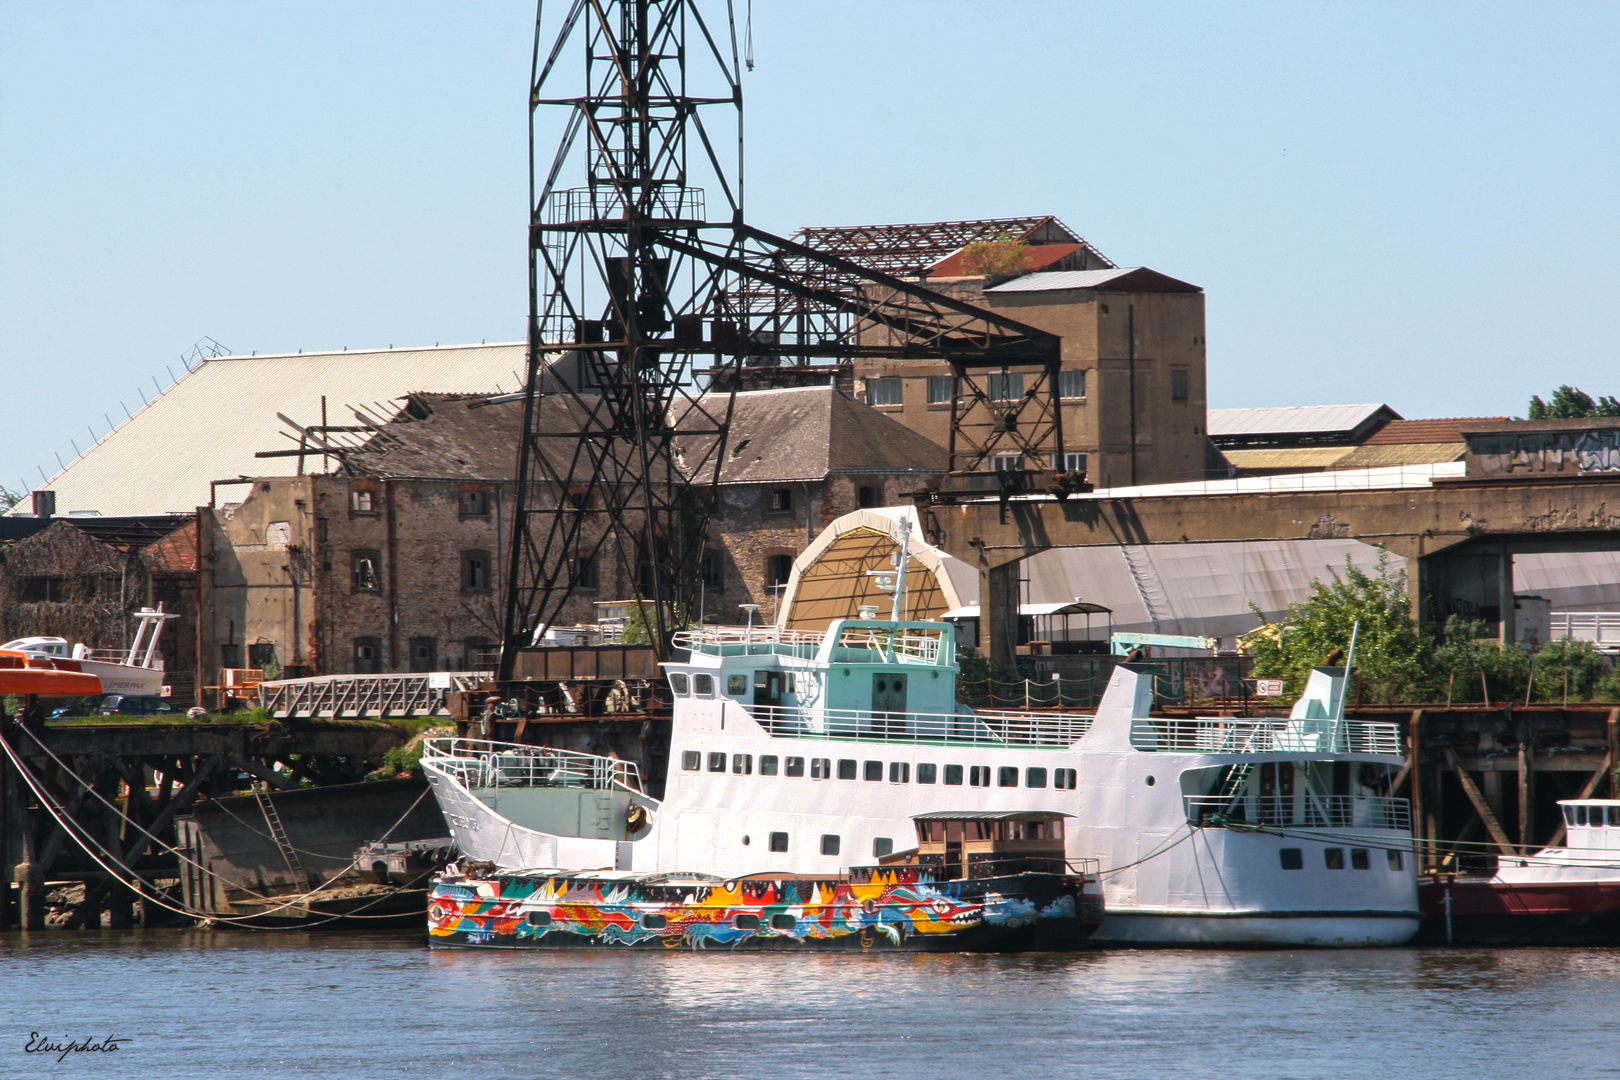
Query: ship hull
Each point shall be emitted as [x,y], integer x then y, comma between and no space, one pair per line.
[1271,929]
[894,912]
[1486,912]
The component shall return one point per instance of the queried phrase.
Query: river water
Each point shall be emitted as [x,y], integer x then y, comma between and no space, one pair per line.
[218,1004]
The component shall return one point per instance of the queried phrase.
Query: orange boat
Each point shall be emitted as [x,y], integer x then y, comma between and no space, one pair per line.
[40,676]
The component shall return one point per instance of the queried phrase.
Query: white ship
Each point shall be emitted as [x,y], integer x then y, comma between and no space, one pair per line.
[136,671]
[797,753]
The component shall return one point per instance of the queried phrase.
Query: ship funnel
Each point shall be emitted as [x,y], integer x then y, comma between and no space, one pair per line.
[1323,695]
[1129,695]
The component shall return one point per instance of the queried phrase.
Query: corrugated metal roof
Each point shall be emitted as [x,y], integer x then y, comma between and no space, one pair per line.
[1292,419]
[208,425]
[1124,278]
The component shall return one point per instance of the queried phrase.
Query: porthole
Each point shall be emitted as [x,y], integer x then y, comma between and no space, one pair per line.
[747,840]
[1151,781]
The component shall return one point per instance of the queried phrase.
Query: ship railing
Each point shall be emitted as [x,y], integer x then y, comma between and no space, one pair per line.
[740,641]
[1300,811]
[1236,735]
[861,643]
[957,729]
[480,763]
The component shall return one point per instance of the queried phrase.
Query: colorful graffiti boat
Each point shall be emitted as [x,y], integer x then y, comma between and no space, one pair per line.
[1011,898]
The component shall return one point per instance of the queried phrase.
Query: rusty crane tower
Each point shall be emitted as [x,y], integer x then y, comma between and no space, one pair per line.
[651,296]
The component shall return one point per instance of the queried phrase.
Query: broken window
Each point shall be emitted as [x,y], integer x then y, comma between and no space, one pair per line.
[475,571]
[364,569]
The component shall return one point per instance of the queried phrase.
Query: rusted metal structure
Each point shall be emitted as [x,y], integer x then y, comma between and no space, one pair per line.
[648,287]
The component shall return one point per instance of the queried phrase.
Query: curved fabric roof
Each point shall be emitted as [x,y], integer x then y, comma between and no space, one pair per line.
[830,579]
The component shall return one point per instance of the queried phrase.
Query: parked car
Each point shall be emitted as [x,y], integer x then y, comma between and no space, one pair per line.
[134,705]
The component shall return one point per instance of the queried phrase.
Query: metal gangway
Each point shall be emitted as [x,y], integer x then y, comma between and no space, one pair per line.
[353,697]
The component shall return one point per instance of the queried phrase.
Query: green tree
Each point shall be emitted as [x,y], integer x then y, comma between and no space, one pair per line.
[995,258]
[1390,648]
[639,624]
[1569,403]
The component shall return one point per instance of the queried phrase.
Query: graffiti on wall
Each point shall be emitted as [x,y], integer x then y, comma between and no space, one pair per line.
[1570,452]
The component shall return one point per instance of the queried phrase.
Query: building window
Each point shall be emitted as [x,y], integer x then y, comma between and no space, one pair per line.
[1006,462]
[778,841]
[691,760]
[829,844]
[261,655]
[1004,385]
[868,497]
[477,652]
[1178,384]
[1072,462]
[883,391]
[941,388]
[712,572]
[424,654]
[367,655]
[926,772]
[474,502]
[779,501]
[778,568]
[475,571]
[230,656]
[585,575]
[363,569]
[1071,384]
[362,500]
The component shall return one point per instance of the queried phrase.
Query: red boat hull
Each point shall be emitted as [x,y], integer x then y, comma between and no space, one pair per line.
[1483,912]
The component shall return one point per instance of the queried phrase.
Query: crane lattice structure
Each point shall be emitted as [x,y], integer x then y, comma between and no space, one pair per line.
[646,301]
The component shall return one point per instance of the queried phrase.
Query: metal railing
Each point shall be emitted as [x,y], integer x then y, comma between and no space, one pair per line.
[957,729]
[573,205]
[1228,735]
[739,641]
[479,763]
[356,696]
[1302,811]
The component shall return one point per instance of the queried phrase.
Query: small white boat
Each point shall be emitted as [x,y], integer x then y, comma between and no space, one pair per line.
[136,671]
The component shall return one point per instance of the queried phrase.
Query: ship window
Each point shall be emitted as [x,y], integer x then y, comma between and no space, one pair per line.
[881,846]
[829,844]
[742,764]
[654,921]
[927,772]
[1333,857]
[846,768]
[953,774]
[1395,860]
[1034,777]
[778,841]
[1358,858]
[745,920]
[736,685]
[691,760]
[717,761]
[978,776]
[1614,815]
[873,770]
[820,768]
[539,918]
[1064,779]
[703,685]
[1293,858]
[795,767]
[767,764]
[784,921]
[1007,776]
[677,682]
[899,772]
[1569,815]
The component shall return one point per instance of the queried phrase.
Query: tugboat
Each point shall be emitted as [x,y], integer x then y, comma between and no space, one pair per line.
[802,754]
[1566,895]
[1007,888]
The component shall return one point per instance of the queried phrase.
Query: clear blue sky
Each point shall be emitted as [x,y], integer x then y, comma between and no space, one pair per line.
[1403,202]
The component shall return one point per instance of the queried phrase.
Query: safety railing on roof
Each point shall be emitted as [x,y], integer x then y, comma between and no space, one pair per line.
[480,763]
[740,641]
[1300,811]
[1229,735]
[965,729]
